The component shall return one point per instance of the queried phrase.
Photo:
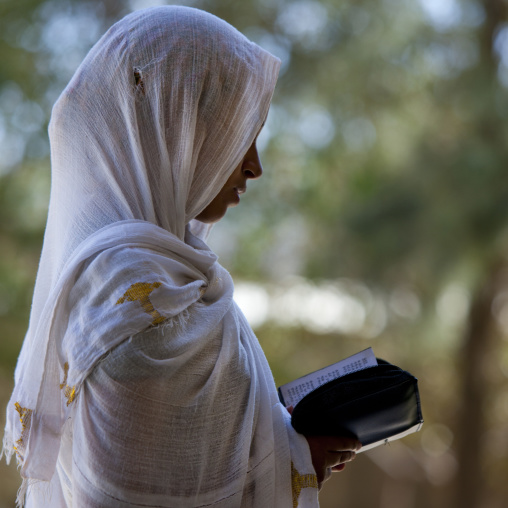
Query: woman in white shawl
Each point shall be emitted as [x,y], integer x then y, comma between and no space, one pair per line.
[140,382]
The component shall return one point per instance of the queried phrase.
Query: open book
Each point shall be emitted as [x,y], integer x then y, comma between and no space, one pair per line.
[293,392]
[373,400]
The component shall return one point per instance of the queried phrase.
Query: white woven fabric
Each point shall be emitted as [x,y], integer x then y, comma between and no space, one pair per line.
[139,382]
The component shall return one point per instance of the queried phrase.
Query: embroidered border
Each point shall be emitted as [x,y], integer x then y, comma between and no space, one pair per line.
[69,391]
[301,481]
[25,417]
[140,291]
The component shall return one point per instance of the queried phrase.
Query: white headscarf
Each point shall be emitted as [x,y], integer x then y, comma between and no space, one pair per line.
[147,132]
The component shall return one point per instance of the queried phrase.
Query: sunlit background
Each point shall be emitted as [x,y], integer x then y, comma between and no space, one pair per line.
[381,219]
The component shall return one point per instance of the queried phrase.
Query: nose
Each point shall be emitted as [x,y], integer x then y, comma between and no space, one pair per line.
[251,167]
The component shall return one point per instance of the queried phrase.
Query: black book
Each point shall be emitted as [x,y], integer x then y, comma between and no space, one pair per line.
[362,396]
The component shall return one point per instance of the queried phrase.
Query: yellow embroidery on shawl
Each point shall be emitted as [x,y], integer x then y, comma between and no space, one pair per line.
[301,481]
[66,373]
[25,415]
[70,391]
[140,291]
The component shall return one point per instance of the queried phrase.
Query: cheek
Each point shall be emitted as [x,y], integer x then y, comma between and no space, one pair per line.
[214,211]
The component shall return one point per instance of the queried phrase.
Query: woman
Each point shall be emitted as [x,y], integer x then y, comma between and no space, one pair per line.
[140,383]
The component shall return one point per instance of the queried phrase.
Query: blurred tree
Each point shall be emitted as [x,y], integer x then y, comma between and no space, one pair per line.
[399,112]
[42,43]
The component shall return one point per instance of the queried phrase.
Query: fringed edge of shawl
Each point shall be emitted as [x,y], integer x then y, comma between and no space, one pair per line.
[27,484]
[8,448]
[22,492]
[179,321]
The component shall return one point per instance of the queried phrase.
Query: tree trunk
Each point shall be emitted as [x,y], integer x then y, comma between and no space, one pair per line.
[479,335]
[477,346]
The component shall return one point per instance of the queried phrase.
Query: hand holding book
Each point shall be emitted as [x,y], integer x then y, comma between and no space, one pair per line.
[361,396]
[331,453]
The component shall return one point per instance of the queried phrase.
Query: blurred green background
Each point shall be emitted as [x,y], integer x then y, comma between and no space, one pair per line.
[381,219]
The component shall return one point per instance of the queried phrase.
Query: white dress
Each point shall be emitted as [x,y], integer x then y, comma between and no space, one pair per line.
[139,382]
[181,415]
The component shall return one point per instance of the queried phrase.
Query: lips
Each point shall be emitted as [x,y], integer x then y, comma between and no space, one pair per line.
[235,197]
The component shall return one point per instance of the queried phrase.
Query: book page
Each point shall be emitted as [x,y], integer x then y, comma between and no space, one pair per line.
[294,391]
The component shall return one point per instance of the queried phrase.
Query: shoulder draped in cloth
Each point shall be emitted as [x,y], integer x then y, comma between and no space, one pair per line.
[140,383]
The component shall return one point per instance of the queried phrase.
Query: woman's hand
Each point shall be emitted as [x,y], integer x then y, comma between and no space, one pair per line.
[330,453]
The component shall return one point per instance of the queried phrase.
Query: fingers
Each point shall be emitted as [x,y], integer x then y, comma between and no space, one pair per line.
[337,458]
[339,449]
[331,453]
[341,443]
[326,476]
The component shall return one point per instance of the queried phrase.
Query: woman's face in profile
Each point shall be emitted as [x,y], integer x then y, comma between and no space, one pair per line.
[249,169]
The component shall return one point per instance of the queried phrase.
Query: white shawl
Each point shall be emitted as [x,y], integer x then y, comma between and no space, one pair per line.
[147,132]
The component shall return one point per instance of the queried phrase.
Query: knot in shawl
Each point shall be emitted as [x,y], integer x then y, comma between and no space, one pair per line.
[145,135]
